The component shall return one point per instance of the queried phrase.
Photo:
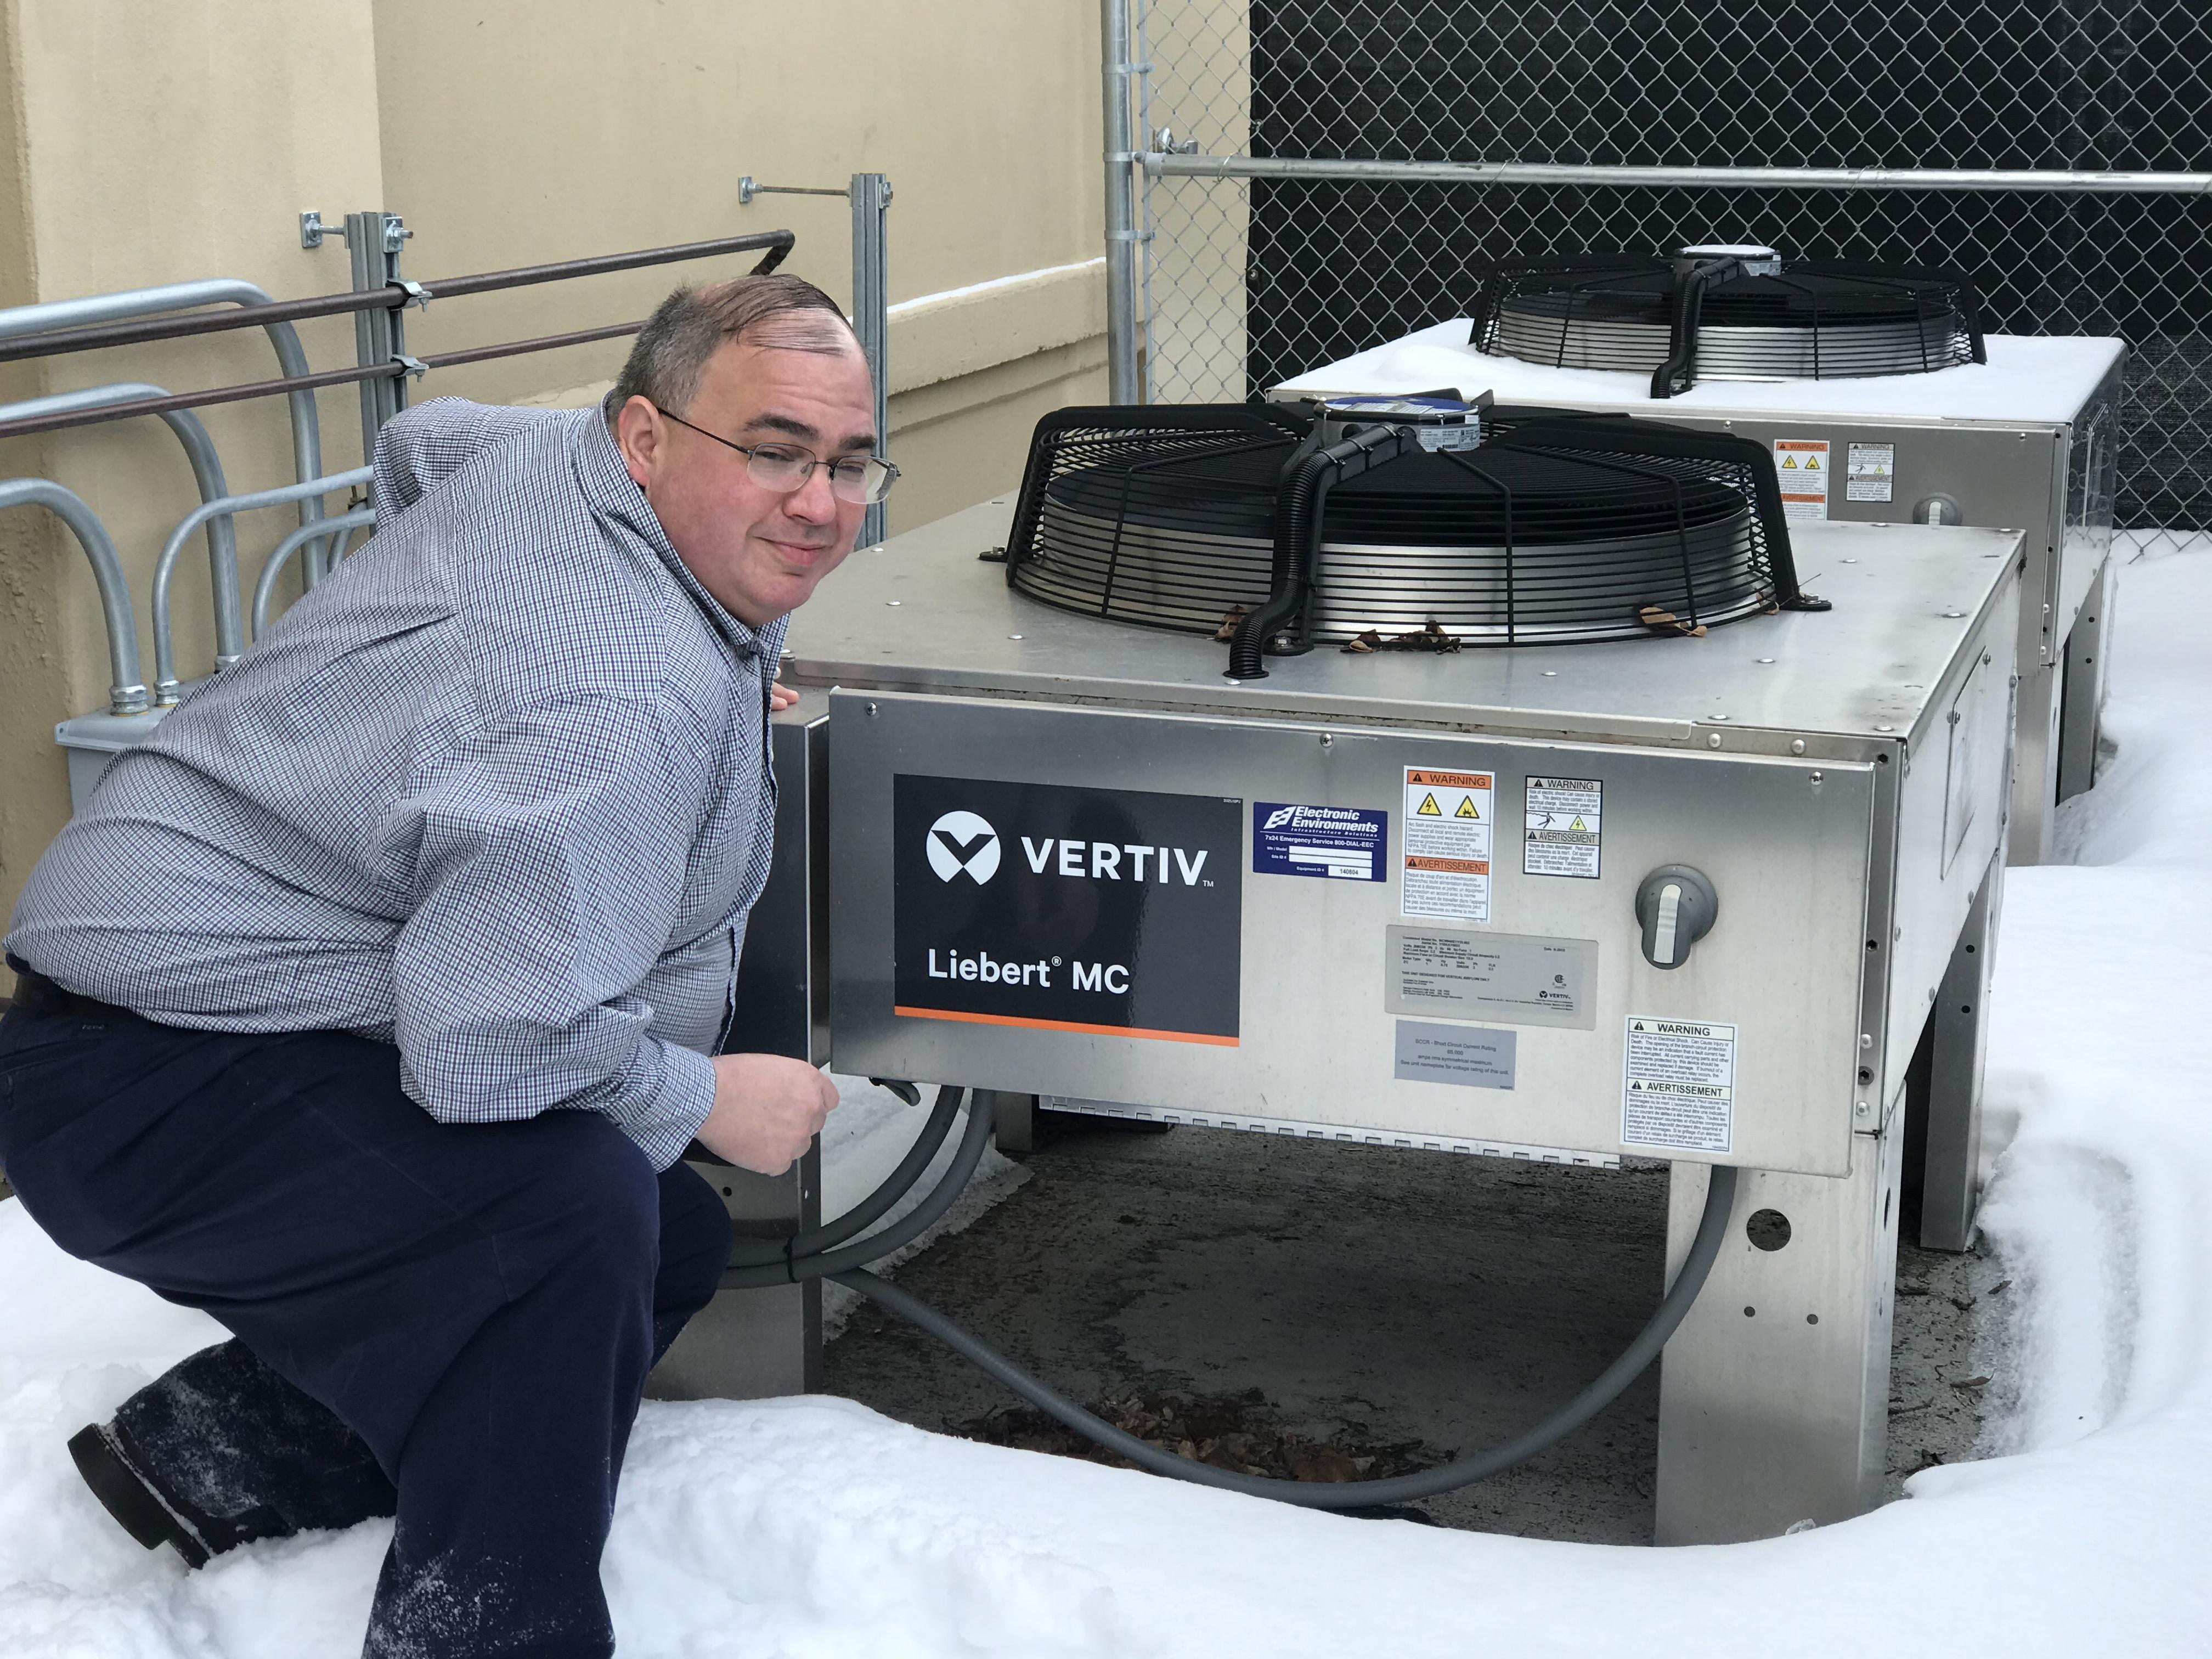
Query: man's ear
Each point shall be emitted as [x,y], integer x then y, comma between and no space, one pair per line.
[640,435]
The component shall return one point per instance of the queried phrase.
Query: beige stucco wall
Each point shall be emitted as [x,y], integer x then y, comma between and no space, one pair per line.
[143,143]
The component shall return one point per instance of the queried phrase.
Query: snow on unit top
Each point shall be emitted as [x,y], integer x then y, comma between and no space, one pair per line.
[2027,378]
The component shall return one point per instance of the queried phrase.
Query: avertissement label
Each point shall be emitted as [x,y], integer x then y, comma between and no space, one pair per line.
[1678,1084]
[1113,912]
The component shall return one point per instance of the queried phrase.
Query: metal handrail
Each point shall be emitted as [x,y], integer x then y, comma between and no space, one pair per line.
[1159,165]
[165,684]
[50,316]
[207,473]
[343,527]
[394,296]
[126,693]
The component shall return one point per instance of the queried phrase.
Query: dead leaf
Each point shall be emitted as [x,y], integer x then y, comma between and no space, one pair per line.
[1227,631]
[1973,1383]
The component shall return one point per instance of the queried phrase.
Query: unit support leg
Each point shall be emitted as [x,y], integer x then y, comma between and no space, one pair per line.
[1951,1190]
[2034,763]
[754,1345]
[2083,692]
[1774,1394]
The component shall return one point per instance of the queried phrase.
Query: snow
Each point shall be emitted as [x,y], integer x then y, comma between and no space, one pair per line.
[2027,378]
[813,1527]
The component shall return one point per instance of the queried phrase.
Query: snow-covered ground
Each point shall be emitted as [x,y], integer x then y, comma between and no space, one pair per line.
[816,1528]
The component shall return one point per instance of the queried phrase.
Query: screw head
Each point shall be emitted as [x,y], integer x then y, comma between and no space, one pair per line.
[1818,779]
[1797,746]
[1714,741]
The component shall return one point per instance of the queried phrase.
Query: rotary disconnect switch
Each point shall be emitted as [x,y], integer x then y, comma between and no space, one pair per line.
[1676,906]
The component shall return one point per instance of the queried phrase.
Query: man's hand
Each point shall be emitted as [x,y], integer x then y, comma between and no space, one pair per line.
[781,695]
[768,1108]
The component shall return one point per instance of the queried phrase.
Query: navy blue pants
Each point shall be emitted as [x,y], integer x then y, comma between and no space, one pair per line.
[453,1321]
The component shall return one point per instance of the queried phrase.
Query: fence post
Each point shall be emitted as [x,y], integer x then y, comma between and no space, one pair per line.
[871,194]
[1121,367]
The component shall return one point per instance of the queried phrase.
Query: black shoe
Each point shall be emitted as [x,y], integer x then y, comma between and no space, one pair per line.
[128,1495]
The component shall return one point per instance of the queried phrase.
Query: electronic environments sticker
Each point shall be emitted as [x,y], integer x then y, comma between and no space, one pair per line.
[1115,912]
[1447,858]
[1347,843]
[1562,834]
[1678,1084]
[1802,467]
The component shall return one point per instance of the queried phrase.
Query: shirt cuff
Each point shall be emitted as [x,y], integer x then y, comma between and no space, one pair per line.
[664,1120]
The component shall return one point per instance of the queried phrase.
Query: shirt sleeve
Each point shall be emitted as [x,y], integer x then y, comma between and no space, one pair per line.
[551,854]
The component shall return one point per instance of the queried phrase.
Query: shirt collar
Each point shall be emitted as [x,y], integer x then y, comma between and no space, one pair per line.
[614,494]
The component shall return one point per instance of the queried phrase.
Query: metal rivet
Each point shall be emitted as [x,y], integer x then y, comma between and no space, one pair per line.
[1718,717]
[1885,728]
[1851,560]
[1952,616]
[1866,1039]
[1714,741]
[1766,660]
[894,601]
[1551,673]
[1797,746]
[1013,636]
[1862,1108]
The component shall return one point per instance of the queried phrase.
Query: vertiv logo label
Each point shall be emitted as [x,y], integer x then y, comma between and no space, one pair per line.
[961,841]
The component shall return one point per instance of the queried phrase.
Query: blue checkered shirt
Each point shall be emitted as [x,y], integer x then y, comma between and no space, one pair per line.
[497,791]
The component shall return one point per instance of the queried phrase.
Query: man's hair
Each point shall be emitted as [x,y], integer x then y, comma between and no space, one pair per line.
[691,325]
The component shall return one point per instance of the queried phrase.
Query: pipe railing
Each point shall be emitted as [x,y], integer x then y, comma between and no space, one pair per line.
[341,528]
[126,692]
[1160,165]
[52,317]
[207,473]
[165,684]
[394,296]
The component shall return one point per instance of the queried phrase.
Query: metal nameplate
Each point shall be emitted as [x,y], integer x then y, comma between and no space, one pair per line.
[1513,979]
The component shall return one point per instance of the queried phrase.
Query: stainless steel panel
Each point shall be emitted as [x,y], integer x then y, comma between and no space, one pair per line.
[782,1001]
[1774,1393]
[1784,841]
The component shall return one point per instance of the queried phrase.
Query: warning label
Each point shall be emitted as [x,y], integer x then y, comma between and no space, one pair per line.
[1870,473]
[1447,853]
[1562,837]
[1802,465]
[1678,1084]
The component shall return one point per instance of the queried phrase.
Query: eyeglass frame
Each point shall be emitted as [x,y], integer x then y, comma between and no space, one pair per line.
[891,470]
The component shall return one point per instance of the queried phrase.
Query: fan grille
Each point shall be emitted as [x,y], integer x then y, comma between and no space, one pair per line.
[1558,529]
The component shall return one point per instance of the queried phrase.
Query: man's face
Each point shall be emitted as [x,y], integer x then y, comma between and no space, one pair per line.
[759,552]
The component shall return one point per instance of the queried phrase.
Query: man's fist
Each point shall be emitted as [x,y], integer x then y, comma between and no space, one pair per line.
[768,1108]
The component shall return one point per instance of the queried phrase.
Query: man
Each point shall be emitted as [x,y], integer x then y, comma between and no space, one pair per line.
[371,1005]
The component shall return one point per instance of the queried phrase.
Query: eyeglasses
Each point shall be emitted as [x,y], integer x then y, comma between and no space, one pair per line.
[786,467]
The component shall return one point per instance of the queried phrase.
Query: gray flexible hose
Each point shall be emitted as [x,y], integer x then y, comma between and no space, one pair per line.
[870,1210]
[1712,1226]
[823,1264]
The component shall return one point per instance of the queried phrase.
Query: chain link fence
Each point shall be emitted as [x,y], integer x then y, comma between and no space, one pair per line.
[1246,281]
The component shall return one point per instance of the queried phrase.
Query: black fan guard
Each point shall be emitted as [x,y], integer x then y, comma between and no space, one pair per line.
[1690,317]
[1562,528]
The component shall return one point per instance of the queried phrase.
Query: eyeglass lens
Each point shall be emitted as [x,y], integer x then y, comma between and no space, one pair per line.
[860,479]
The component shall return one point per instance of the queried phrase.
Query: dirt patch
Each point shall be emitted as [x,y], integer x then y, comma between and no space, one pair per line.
[1237,1433]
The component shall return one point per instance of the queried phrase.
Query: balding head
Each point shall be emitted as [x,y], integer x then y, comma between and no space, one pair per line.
[686,330]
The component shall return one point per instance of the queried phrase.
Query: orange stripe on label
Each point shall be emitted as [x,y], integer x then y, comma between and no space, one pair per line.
[1449,780]
[1063,1025]
[1451,867]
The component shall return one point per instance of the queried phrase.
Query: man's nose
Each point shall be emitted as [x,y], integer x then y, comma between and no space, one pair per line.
[812,501]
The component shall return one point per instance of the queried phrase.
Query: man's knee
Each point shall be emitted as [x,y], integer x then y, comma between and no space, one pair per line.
[694,1239]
